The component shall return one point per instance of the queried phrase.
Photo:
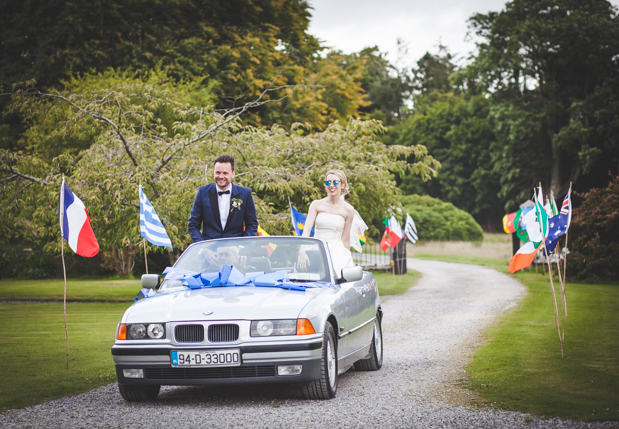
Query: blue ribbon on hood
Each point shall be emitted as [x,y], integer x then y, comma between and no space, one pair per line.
[230,276]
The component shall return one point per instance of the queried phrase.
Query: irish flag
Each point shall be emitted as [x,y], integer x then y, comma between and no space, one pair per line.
[523,257]
[536,223]
[75,224]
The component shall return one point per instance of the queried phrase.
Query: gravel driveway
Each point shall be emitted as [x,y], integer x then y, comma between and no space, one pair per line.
[429,335]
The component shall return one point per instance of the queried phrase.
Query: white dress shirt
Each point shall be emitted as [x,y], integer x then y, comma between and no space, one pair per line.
[224,205]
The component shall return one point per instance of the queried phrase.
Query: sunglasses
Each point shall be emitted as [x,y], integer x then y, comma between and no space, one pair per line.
[335,182]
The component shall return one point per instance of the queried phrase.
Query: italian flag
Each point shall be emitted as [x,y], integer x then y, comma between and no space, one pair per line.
[393,233]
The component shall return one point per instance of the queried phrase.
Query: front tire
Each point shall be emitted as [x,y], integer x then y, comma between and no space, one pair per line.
[326,386]
[375,361]
[138,393]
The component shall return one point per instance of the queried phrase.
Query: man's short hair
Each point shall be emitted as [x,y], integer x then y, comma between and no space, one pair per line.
[223,159]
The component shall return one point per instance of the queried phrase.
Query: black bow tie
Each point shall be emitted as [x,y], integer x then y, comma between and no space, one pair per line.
[223,192]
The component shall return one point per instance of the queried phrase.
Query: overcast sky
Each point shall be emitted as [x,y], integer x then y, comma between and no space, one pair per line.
[351,25]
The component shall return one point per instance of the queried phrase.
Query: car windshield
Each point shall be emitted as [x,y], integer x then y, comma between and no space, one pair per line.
[257,254]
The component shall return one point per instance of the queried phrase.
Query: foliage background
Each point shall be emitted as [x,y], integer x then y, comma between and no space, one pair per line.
[438,220]
[537,102]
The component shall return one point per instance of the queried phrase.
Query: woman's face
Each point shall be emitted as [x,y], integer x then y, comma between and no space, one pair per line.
[332,188]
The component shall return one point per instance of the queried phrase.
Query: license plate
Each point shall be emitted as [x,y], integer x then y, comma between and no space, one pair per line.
[206,358]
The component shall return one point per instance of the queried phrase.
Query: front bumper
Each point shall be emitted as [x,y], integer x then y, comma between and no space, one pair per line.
[258,365]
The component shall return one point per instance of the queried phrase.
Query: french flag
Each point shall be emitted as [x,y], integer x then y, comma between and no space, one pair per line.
[75,224]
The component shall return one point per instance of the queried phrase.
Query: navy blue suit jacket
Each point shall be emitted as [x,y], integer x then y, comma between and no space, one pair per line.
[205,215]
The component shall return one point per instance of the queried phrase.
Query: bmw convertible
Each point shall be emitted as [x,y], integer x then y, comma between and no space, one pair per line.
[240,310]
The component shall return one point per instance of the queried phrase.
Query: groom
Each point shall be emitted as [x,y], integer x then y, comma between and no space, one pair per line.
[221,209]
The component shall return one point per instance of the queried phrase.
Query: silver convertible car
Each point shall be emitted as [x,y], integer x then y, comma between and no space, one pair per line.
[239,310]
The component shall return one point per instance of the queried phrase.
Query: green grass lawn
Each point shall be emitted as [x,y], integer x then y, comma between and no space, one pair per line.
[387,286]
[77,290]
[33,351]
[498,264]
[520,367]
[34,347]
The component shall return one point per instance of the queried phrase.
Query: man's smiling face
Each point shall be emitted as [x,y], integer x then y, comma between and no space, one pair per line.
[223,174]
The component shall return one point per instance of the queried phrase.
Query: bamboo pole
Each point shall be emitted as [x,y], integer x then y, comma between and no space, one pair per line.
[563,313]
[145,260]
[392,263]
[64,269]
[554,300]
[565,259]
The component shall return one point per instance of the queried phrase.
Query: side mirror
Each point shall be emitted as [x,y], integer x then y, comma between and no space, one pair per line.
[351,274]
[150,280]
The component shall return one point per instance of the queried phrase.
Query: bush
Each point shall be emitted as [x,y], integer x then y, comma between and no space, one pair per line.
[438,220]
[594,235]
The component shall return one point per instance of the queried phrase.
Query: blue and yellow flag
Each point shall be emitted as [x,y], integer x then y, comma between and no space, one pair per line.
[298,221]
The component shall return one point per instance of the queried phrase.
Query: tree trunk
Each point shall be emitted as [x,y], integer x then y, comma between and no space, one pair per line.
[555,171]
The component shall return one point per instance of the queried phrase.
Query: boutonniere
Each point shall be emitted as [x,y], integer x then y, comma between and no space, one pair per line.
[236,203]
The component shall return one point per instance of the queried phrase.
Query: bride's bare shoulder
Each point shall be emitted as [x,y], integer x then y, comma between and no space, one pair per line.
[349,208]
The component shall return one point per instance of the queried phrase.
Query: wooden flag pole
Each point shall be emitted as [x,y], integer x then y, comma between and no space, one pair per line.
[554,299]
[145,260]
[64,269]
[565,259]
[563,313]
[552,286]
[392,263]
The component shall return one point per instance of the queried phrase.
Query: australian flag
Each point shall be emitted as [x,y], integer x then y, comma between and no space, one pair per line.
[558,225]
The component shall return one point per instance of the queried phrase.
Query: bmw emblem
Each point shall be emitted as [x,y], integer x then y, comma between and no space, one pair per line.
[207,313]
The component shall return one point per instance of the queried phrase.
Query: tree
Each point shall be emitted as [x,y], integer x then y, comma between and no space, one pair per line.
[433,72]
[547,63]
[147,136]
[456,130]
[594,235]
[235,48]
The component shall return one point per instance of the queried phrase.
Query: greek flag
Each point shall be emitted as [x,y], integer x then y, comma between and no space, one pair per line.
[150,226]
[410,230]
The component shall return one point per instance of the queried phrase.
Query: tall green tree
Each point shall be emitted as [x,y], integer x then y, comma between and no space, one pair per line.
[456,130]
[237,48]
[154,134]
[553,69]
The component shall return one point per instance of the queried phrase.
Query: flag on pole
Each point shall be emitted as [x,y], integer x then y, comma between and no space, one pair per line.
[150,225]
[75,224]
[542,219]
[510,221]
[298,221]
[410,229]
[553,205]
[396,231]
[559,224]
[523,258]
[393,233]
[566,207]
[385,241]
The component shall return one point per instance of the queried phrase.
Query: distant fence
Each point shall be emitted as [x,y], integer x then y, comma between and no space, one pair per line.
[373,258]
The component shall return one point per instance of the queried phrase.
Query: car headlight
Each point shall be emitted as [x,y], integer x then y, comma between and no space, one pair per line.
[268,328]
[146,331]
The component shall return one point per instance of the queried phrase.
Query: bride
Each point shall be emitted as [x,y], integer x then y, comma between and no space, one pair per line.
[333,217]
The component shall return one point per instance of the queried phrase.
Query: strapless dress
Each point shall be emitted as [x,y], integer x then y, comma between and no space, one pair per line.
[329,227]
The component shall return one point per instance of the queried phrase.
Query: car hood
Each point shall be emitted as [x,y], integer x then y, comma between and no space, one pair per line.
[225,303]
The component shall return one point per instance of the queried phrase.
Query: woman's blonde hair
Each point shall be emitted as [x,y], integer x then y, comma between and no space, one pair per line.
[342,176]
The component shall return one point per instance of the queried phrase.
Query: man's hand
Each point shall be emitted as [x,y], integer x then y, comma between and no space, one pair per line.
[209,256]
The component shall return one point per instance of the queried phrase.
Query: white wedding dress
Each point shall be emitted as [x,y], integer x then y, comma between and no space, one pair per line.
[329,227]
